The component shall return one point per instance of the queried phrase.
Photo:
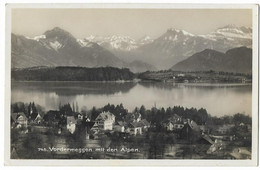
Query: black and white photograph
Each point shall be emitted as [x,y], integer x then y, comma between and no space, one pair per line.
[132,83]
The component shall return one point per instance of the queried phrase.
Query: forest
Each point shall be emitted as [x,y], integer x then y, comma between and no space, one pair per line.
[71,74]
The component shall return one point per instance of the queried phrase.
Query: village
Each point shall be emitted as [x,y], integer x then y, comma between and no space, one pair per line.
[226,138]
[198,77]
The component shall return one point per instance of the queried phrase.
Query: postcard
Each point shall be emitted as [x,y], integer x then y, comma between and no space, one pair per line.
[131,84]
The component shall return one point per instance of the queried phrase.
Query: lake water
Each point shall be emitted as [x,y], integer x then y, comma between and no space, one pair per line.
[217,99]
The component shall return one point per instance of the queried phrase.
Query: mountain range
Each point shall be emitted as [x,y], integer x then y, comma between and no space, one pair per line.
[237,60]
[58,47]
[176,45]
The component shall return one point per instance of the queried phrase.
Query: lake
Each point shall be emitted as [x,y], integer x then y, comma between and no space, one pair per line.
[217,99]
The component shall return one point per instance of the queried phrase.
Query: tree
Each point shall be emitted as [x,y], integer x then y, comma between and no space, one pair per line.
[66,110]
[94,113]
[241,118]
[14,108]
[84,110]
[143,112]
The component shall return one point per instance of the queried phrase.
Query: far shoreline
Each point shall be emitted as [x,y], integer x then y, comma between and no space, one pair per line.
[201,84]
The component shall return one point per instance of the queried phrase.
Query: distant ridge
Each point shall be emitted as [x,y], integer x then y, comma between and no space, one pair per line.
[237,60]
[71,74]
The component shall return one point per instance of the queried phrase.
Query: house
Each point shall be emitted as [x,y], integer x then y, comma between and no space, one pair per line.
[217,146]
[174,123]
[119,126]
[241,153]
[19,120]
[178,126]
[204,129]
[224,129]
[190,131]
[181,75]
[36,118]
[133,117]
[135,128]
[87,118]
[169,126]
[145,124]
[80,116]
[175,118]
[104,121]
[71,124]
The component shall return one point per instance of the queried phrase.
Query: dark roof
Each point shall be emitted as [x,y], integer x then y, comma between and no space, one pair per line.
[121,123]
[134,115]
[136,124]
[34,115]
[207,138]
[193,125]
[105,115]
[15,116]
[71,119]
[145,122]
[175,119]
[89,125]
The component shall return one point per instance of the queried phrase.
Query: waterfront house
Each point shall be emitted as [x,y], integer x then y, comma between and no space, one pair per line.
[104,121]
[71,124]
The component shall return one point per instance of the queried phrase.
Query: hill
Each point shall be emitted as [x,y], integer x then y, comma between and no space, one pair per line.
[238,60]
[71,74]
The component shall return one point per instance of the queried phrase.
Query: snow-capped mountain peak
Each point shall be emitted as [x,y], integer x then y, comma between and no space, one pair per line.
[178,31]
[145,40]
[84,43]
[56,45]
[114,42]
[233,31]
[37,38]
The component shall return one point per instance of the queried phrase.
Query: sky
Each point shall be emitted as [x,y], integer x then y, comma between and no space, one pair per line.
[135,23]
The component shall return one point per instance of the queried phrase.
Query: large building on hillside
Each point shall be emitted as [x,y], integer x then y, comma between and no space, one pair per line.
[104,121]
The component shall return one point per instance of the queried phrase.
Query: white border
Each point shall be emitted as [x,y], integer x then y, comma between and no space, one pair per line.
[135,162]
